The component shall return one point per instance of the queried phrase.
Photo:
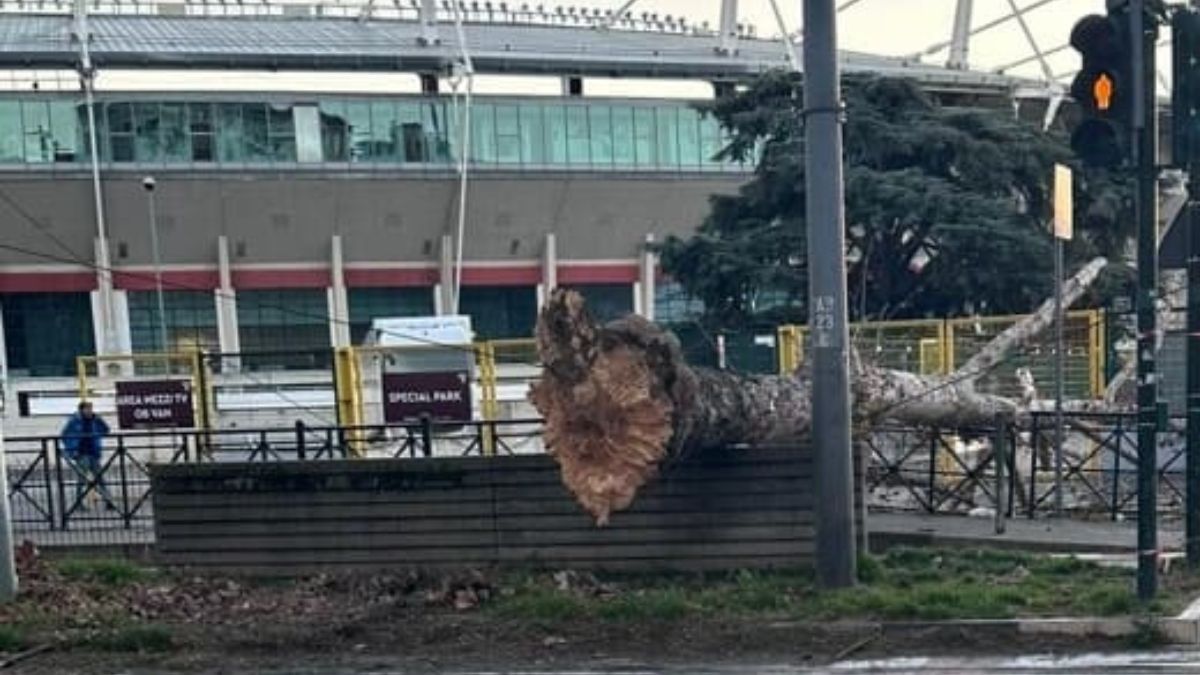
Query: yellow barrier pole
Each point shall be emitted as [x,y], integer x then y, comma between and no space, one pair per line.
[349,396]
[81,377]
[486,353]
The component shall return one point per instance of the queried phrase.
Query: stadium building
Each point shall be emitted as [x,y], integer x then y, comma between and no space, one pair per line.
[285,221]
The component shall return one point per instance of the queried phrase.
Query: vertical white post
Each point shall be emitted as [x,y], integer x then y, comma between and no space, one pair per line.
[8,566]
[226,298]
[647,277]
[339,301]
[429,30]
[549,269]
[446,277]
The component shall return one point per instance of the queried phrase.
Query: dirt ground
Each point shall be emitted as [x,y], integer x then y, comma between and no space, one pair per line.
[115,617]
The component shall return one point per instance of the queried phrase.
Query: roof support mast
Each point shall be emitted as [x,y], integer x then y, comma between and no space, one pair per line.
[429,30]
[960,39]
[729,27]
[104,283]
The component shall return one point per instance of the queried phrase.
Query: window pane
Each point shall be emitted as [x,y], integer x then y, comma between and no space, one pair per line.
[689,138]
[255,138]
[607,301]
[556,134]
[600,128]
[358,114]
[335,132]
[414,139]
[230,141]
[44,332]
[622,136]
[287,328]
[383,131]
[175,137]
[307,120]
[483,133]
[533,142]
[500,312]
[711,142]
[39,144]
[668,148]
[11,148]
[65,131]
[147,132]
[645,143]
[508,135]
[281,133]
[191,321]
[368,304]
[437,124]
[200,128]
[579,146]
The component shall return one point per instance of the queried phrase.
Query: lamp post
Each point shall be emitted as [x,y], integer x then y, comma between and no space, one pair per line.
[149,184]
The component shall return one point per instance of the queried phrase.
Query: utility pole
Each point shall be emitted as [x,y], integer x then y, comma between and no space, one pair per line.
[1185,115]
[8,566]
[825,217]
[1143,39]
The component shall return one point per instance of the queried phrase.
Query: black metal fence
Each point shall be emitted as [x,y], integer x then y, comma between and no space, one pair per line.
[954,470]
[57,499]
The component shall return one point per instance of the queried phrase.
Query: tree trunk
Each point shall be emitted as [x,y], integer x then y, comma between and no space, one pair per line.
[620,400]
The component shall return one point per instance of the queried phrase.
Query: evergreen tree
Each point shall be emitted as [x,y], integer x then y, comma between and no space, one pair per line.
[947,209]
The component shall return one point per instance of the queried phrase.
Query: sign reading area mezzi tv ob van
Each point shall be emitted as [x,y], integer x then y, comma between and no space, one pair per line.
[147,404]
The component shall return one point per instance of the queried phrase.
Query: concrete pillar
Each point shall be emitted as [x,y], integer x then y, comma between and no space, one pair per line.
[647,277]
[105,318]
[339,300]
[226,298]
[549,269]
[960,38]
[429,27]
[445,287]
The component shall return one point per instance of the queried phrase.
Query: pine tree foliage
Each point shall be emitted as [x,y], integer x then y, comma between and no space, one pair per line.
[947,209]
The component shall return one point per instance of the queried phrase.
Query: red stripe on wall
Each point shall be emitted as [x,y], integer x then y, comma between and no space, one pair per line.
[173,280]
[280,278]
[47,282]
[508,275]
[391,277]
[614,273]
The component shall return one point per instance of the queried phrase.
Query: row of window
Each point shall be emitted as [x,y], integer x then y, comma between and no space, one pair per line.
[44,332]
[589,134]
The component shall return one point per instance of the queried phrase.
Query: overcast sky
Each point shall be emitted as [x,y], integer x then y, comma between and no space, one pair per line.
[893,27]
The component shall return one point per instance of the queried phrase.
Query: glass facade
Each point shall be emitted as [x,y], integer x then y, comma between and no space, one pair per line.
[191,318]
[277,324]
[368,304]
[607,301]
[500,312]
[673,305]
[580,134]
[44,332]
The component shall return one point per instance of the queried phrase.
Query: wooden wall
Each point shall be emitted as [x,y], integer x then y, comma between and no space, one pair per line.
[733,509]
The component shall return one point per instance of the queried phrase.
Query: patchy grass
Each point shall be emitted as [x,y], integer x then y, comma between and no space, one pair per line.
[12,639]
[133,637]
[104,571]
[904,584]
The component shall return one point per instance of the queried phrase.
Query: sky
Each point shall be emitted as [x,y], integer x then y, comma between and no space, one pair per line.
[891,27]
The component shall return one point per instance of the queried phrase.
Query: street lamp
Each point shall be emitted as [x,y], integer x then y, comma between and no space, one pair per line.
[148,184]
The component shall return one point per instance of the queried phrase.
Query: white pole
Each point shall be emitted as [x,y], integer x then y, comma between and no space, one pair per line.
[149,184]
[8,566]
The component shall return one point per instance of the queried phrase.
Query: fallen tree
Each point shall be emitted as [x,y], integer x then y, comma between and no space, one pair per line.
[619,400]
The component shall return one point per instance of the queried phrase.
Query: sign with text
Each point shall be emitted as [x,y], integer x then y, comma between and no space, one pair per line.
[145,404]
[439,396]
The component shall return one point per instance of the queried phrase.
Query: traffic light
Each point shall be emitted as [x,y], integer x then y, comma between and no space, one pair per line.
[1185,95]
[1104,88]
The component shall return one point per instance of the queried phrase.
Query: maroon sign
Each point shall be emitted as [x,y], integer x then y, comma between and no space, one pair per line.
[155,403]
[439,396]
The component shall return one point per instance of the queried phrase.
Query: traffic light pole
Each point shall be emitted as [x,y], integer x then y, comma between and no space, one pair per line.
[825,216]
[1144,33]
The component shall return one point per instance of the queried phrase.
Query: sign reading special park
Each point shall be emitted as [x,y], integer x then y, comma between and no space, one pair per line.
[145,404]
[438,396]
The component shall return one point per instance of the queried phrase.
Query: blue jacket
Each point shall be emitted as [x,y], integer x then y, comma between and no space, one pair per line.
[73,435]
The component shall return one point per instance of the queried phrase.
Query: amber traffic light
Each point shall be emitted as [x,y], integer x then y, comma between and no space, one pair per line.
[1103,88]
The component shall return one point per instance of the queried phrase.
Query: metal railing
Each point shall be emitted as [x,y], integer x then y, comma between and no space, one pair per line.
[955,470]
[58,499]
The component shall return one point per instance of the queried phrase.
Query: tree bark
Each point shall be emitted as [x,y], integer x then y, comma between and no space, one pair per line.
[619,400]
